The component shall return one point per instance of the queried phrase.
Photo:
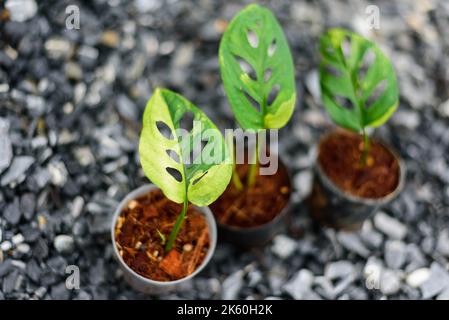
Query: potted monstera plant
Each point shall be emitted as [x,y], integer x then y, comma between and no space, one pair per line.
[258,75]
[164,234]
[355,174]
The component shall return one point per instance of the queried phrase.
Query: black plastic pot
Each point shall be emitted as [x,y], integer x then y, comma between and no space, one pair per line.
[259,235]
[332,207]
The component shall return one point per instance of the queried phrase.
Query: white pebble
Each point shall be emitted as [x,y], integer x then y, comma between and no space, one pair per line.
[21,10]
[416,278]
[64,243]
[6,245]
[283,246]
[17,239]
[303,183]
[23,248]
[19,264]
[390,282]
[390,226]
[77,207]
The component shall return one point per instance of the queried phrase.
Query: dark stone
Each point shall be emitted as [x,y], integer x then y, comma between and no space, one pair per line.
[40,249]
[97,273]
[5,267]
[17,169]
[9,282]
[12,212]
[5,61]
[83,295]
[33,270]
[30,234]
[48,278]
[15,31]
[126,108]
[100,224]
[99,293]
[60,292]
[57,264]
[79,228]
[28,205]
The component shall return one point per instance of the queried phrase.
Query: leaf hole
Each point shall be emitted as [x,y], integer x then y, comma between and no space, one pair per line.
[174,173]
[344,102]
[164,130]
[247,68]
[186,121]
[367,61]
[199,178]
[273,94]
[211,150]
[267,74]
[376,93]
[251,100]
[272,48]
[253,38]
[197,149]
[172,154]
[332,70]
[346,46]
[204,144]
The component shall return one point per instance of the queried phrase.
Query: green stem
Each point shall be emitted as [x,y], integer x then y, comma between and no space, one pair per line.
[235,175]
[360,105]
[251,179]
[236,179]
[366,149]
[177,226]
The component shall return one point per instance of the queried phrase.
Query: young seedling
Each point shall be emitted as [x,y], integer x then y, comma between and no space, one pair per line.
[162,236]
[358,84]
[165,155]
[258,75]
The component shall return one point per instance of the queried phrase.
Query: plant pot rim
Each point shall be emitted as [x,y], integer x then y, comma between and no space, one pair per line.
[356,199]
[277,218]
[212,233]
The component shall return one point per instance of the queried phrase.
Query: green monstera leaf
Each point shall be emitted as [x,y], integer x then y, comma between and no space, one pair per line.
[257,69]
[358,82]
[194,166]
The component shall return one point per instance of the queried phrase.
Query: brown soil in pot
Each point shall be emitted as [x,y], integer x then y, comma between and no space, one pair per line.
[339,156]
[255,206]
[140,245]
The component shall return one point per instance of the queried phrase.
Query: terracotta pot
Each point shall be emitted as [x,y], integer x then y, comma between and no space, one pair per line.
[146,285]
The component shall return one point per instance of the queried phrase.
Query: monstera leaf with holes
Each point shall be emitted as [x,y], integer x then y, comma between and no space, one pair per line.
[163,157]
[358,82]
[257,70]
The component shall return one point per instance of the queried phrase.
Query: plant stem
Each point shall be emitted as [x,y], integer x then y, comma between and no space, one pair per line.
[177,226]
[235,175]
[236,179]
[366,149]
[251,179]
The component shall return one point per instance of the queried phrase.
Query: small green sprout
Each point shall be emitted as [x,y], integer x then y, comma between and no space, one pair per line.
[358,83]
[162,236]
[164,156]
[258,74]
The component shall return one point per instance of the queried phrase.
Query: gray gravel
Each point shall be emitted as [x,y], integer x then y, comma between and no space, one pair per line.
[71,103]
